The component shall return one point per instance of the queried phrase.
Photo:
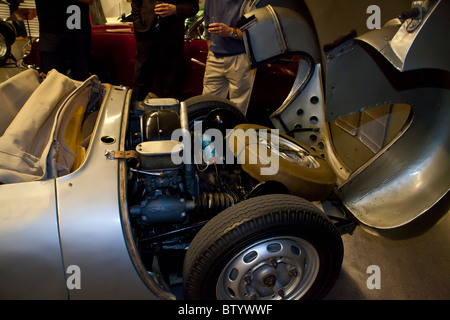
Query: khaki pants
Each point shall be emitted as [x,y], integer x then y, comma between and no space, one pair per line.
[230,76]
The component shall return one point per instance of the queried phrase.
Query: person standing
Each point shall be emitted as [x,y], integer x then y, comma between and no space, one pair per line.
[228,71]
[65,36]
[159,33]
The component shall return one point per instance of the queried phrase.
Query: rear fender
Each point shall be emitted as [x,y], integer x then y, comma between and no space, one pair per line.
[420,42]
[409,175]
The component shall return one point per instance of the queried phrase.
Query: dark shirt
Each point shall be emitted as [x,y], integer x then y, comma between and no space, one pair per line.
[53,16]
[144,17]
[227,12]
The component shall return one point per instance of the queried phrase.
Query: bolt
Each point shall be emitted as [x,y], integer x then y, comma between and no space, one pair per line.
[281,294]
[270,280]
[273,262]
[248,279]
[293,272]
[253,296]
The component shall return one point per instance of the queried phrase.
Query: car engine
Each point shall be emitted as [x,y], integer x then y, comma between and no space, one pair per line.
[169,202]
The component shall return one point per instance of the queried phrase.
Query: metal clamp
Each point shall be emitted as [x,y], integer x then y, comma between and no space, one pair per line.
[419,12]
[113,154]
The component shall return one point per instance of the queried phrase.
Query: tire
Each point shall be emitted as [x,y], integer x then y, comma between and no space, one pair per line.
[305,173]
[199,107]
[7,38]
[8,31]
[5,50]
[268,247]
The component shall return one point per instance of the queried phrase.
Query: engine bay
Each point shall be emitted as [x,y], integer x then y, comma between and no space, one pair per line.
[169,203]
[178,179]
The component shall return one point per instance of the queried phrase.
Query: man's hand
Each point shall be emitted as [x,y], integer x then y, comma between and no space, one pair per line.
[222,30]
[165,9]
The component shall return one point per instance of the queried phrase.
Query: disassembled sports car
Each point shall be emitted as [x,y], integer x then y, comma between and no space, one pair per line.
[103,197]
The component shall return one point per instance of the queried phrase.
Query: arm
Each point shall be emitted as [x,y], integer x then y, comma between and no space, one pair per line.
[183,10]
[222,30]
[165,9]
[187,9]
[139,23]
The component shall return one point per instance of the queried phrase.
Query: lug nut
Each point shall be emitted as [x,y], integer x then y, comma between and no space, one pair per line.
[293,272]
[273,262]
[270,281]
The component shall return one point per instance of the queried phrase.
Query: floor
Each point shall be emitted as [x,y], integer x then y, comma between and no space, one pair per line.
[410,263]
[414,262]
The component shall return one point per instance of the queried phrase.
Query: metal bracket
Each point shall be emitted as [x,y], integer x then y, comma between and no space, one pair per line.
[419,10]
[113,154]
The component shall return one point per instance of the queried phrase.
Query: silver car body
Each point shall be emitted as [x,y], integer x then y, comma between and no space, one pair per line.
[404,65]
[47,226]
[81,219]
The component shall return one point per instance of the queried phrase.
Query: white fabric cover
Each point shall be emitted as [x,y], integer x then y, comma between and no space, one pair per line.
[33,146]
[14,92]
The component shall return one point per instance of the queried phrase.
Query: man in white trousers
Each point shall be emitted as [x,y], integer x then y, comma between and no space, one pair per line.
[227,71]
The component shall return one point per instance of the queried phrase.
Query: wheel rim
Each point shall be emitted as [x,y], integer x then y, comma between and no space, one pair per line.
[3,47]
[291,151]
[272,269]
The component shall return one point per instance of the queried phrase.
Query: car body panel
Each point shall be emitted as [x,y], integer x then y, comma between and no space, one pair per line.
[410,174]
[110,274]
[31,265]
[404,46]
[49,226]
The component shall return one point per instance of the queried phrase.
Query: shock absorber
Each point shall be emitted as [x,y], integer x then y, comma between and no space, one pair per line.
[215,202]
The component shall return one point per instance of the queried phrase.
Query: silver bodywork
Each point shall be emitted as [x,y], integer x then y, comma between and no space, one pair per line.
[403,44]
[47,226]
[29,242]
[410,174]
[82,218]
[111,274]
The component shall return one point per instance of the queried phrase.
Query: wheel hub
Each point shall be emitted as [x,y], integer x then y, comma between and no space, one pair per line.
[270,281]
[277,268]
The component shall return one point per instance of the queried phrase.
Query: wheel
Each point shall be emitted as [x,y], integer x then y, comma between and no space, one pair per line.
[7,38]
[200,106]
[305,173]
[5,50]
[268,247]
[8,31]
